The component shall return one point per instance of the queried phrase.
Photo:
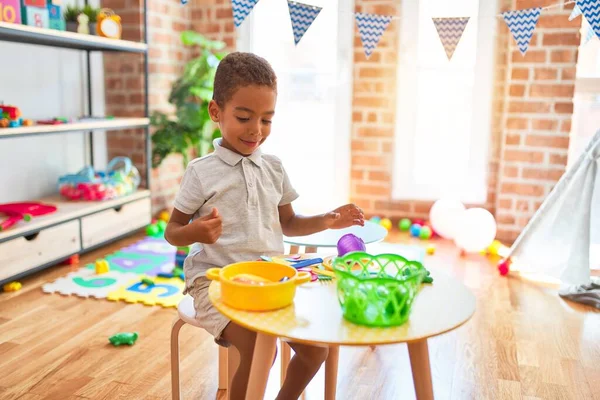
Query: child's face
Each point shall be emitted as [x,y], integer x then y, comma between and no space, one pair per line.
[245,120]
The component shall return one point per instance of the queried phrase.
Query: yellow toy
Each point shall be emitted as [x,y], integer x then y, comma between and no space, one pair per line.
[430,250]
[164,216]
[386,223]
[102,266]
[109,24]
[12,287]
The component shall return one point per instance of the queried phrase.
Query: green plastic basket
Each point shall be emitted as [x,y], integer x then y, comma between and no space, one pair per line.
[379,290]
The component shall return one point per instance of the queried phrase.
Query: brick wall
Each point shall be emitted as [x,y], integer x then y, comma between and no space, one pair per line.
[532,104]
[531,122]
[167,58]
[537,123]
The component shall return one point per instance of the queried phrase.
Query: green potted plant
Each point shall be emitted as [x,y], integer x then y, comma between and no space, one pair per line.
[190,132]
[71,14]
[92,14]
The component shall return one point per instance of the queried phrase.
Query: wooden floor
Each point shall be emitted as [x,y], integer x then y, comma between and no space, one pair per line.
[524,342]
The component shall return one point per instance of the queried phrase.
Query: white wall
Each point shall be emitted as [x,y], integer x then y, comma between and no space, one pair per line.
[46,82]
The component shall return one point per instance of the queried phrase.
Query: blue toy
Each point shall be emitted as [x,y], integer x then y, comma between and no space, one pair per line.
[376,219]
[415,230]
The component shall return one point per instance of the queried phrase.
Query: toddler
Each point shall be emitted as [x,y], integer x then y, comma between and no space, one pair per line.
[235,204]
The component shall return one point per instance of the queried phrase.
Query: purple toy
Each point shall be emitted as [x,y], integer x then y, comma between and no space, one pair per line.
[349,243]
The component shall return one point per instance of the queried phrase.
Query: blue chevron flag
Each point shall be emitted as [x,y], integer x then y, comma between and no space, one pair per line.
[241,9]
[370,29]
[591,11]
[450,31]
[575,13]
[521,24]
[302,16]
[589,34]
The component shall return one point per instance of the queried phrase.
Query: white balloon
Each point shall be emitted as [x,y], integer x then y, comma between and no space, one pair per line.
[445,216]
[476,231]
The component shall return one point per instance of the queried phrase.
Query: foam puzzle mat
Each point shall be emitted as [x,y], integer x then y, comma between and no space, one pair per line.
[128,266]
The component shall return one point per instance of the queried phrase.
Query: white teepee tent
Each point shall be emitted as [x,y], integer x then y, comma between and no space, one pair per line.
[557,239]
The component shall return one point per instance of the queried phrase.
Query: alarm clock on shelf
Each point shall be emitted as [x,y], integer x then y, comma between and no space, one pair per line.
[108,24]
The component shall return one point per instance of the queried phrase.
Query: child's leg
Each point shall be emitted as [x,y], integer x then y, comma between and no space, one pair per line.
[243,340]
[303,367]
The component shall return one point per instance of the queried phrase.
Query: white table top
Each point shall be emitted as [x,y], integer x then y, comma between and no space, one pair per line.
[370,233]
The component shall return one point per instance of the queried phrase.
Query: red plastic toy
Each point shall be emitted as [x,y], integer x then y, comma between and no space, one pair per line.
[504,266]
[23,211]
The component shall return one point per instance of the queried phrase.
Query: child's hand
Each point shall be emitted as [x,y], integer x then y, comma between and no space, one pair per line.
[344,216]
[208,228]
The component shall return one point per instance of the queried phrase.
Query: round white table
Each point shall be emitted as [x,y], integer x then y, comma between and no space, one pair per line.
[370,233]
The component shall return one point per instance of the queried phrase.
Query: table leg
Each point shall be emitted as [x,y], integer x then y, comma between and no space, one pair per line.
[421,371]
[331,370]
[310,250]
[286,353]
[264,351]
[233,362]
[294,249]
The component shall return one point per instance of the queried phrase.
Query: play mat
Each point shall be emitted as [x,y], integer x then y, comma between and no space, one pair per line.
[128,266]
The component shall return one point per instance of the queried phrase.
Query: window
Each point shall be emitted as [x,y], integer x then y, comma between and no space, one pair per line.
[311,129]
[586,102]
[443,122]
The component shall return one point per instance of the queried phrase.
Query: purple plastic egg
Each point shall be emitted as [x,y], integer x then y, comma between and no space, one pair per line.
[349,243]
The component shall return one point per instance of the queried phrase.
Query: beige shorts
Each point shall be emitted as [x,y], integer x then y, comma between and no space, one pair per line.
[208,317]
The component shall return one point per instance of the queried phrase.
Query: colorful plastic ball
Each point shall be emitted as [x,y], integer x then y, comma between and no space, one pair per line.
[404,224]
[164,216]
[162,225]
[419,221]
[504,266]
[386,223]
[430,249]
[425,233]
[376,219]
[152,230]
[415,230]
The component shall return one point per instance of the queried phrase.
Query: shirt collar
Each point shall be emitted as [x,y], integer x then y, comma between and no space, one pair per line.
[232,158]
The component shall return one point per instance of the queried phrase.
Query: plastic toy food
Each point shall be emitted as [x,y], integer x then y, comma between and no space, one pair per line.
[123,338]
[12,287]
[250,279]
[349,243]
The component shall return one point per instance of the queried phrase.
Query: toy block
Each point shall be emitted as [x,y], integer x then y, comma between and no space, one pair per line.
[55,18]
[10,11]
[34,16]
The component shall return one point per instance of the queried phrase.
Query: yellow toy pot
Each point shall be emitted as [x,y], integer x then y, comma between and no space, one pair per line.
[264,297]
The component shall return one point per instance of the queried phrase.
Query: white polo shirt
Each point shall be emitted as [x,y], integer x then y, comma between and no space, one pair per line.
[246,191]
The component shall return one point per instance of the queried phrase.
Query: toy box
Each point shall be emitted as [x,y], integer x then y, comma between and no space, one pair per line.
[10,11]
[55,18]
[34,16]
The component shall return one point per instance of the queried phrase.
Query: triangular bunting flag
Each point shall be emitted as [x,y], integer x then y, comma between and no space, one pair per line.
[521,24]
[241,9]
[589,34]
[302,16]
[370,29]
[591,10]
[575,13]
[450,31]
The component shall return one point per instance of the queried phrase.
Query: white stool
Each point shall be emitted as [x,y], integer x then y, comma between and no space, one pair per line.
[228,358]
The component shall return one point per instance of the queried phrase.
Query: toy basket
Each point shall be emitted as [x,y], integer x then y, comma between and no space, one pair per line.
[379,290]
[120,179]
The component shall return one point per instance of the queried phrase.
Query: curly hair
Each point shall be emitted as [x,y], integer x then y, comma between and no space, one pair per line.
[239,69]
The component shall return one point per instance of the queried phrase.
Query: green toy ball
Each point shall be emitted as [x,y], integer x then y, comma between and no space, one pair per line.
[152,230]
[162,225]
[404,224]
[425,233]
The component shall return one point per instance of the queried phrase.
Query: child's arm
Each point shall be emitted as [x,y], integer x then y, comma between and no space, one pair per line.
[298,225]
[181,232]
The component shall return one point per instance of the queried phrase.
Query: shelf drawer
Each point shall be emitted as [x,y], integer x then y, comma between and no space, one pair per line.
[112,223]
[51,244]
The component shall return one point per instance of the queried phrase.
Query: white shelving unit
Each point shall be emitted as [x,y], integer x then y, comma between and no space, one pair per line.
[76,226]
